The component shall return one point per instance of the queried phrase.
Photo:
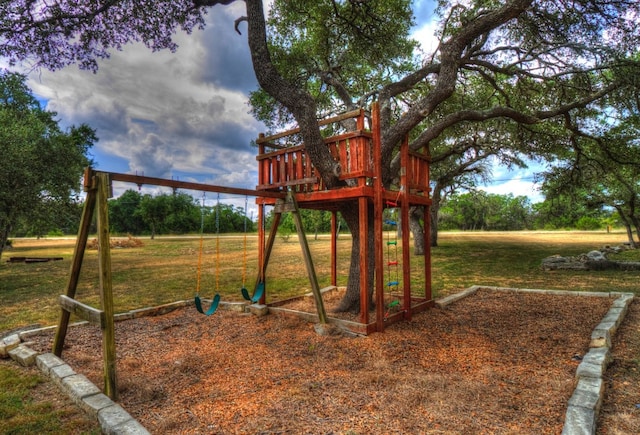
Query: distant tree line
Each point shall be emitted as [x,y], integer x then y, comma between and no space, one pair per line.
[180,213]
[478,210]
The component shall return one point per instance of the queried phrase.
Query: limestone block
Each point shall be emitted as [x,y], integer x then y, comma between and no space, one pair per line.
[122,316]
[78,387]
[259,310]
[588,370]
[600,338]
[238,307]
[615,316]
[23,355]
[25,335]
[131,427]
[112,416]
[93,404]
[609,326]
[456,297]
[7,344]
[47,361]
[588,394]
[579,421]
[58,373]
[623,300]
[600,356]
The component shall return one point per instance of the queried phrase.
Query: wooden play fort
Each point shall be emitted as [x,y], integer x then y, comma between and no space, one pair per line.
[284,167]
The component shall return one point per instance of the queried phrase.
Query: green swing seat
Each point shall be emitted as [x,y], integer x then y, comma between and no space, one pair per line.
[256,296]
[212,308]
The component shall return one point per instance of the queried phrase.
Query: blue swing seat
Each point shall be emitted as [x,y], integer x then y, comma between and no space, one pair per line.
[256,296]
[212,308]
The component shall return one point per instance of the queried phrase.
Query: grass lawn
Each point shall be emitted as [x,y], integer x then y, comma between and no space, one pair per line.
[165,269]
[31,404]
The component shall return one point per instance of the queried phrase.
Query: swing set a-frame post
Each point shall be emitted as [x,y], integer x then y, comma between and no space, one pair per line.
[97,186]
[76,262]
[106,288]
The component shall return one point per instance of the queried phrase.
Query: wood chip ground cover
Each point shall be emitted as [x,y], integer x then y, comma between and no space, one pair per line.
[494,362]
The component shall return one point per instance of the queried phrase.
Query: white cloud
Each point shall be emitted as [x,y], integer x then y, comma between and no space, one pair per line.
[166,113]
[426,25]
[516,187]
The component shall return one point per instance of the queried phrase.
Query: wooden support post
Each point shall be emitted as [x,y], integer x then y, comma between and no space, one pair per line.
[76,262]
[334,248]
[378,207]
[363,210]
[106,291]
[261,264]
[266,253]
[308,261]
[405,175]
[406,258]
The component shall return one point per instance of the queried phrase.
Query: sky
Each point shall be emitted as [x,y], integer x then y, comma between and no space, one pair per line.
[185,115]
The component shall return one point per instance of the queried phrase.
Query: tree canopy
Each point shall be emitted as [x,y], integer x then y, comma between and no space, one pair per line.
[41,165]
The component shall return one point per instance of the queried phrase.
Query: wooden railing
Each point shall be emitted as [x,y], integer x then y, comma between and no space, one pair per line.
[418,172]
[282,167]
[290,166]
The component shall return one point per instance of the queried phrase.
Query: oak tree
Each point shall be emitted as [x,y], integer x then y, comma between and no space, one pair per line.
[41,164]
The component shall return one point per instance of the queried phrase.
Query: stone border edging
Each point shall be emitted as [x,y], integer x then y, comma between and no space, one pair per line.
[582,410]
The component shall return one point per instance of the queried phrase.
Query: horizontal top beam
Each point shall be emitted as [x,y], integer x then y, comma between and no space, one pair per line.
[177,184]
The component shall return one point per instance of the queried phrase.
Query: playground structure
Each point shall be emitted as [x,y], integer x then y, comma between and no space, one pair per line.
[287,168]
[287,180]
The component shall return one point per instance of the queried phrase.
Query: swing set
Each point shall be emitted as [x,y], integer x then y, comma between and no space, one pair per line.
[98,188]
[259,290]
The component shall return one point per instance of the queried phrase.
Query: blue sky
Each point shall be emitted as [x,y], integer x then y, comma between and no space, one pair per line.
[185,115]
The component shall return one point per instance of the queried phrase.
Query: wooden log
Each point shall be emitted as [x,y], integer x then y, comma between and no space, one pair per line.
[85,312]
[308,261]
[76,261]
[106,289]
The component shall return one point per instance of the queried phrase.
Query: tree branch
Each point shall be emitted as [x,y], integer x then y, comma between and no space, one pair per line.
[450,61]
[299,102]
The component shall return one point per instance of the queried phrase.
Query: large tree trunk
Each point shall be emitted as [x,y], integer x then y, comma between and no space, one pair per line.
[4,236]
[627,225]
[415,215]
[351,300]
[433,214]
[636,224]
[632,241]
[433,211]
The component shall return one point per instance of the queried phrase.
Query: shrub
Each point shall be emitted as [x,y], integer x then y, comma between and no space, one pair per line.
[586,223]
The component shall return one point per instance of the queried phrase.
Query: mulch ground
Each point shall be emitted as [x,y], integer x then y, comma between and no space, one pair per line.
[494,362]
